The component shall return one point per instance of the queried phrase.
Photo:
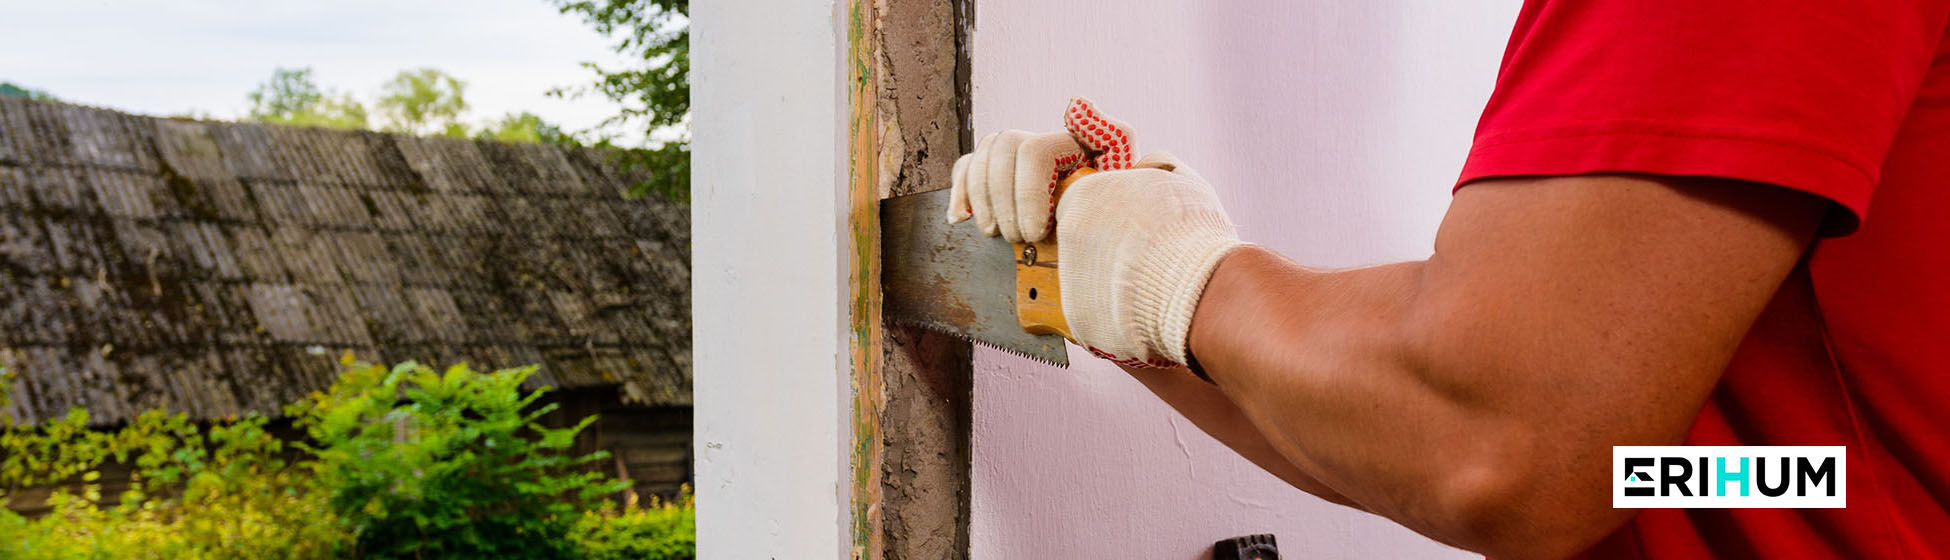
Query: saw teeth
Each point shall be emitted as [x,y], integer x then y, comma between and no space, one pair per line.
[1031,357]
[943,329]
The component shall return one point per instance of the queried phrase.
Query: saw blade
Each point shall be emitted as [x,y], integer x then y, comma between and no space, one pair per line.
[953,279]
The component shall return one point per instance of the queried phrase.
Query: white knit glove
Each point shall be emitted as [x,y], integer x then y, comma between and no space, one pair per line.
[1138,244]
[1011,176]
[1138,247]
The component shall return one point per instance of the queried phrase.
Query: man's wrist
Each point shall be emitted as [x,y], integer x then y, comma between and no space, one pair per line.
[1224,290]
[1170,279]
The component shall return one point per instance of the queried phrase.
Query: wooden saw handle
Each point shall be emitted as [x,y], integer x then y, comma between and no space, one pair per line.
[1039,302]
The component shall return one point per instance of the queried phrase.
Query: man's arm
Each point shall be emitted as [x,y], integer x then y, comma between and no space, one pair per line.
[1474,397]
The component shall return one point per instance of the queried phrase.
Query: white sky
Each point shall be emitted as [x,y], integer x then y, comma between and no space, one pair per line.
[163,57]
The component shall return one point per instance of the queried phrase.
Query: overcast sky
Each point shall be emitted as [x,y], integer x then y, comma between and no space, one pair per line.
[162,57]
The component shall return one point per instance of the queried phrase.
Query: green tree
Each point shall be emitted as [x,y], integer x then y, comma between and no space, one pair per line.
[654,90]
[524,127]
[8,89]
[291,97]
[424,101]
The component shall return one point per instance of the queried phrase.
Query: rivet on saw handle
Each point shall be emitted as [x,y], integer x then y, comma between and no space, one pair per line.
[1039,301]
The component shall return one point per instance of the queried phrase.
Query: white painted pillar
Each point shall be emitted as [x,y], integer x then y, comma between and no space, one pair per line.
[769,279]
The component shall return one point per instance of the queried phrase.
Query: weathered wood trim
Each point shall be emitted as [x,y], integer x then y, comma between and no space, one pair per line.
[907,88]
[863,280]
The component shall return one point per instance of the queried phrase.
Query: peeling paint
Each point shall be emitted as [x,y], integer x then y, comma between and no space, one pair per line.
[863,320]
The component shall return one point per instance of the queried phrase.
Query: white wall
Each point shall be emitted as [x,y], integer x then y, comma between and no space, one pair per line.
[1333,131]
[768,279]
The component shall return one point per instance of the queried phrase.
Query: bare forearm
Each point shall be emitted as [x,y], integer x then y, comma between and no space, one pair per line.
[1329,368]
[1474,396]
[1345,408]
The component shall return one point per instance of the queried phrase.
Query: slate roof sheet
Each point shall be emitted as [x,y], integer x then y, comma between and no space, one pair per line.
[217,268]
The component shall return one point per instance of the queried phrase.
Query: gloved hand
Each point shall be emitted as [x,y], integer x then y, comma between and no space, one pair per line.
[1008,184]
[1138,247]
[1138,244]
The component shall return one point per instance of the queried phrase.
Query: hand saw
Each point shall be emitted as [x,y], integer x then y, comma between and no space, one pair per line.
[953,279]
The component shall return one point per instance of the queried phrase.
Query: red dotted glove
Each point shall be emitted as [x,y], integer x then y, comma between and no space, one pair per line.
[1138,244]
[1138,247]
[1008,184]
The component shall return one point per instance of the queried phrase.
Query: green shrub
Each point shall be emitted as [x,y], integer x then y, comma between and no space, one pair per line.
[219,493]
[422,463]
[663,531]
[400,463]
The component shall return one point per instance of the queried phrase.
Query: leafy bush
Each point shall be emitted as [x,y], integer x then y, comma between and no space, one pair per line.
[400,462]
[219,493]
[451,464]
[663,531]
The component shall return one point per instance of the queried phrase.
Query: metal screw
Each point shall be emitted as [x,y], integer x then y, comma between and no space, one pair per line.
[1029,255]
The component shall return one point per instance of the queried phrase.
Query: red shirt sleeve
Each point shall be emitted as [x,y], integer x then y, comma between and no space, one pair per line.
[1804,94]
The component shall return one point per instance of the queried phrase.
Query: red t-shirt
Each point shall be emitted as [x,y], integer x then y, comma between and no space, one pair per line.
[1849,100]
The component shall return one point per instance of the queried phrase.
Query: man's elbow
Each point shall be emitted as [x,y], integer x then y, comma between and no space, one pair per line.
[1509,508]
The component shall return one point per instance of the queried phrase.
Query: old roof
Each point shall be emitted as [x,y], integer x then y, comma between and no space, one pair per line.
[218,268]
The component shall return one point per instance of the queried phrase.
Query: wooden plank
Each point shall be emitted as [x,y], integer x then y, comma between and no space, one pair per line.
[660,472]
[649,455]
[863,280]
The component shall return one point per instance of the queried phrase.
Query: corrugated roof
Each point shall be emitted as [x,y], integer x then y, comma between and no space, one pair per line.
[217,268]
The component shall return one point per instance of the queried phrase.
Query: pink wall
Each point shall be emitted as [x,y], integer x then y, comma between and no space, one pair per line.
[1332,130]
